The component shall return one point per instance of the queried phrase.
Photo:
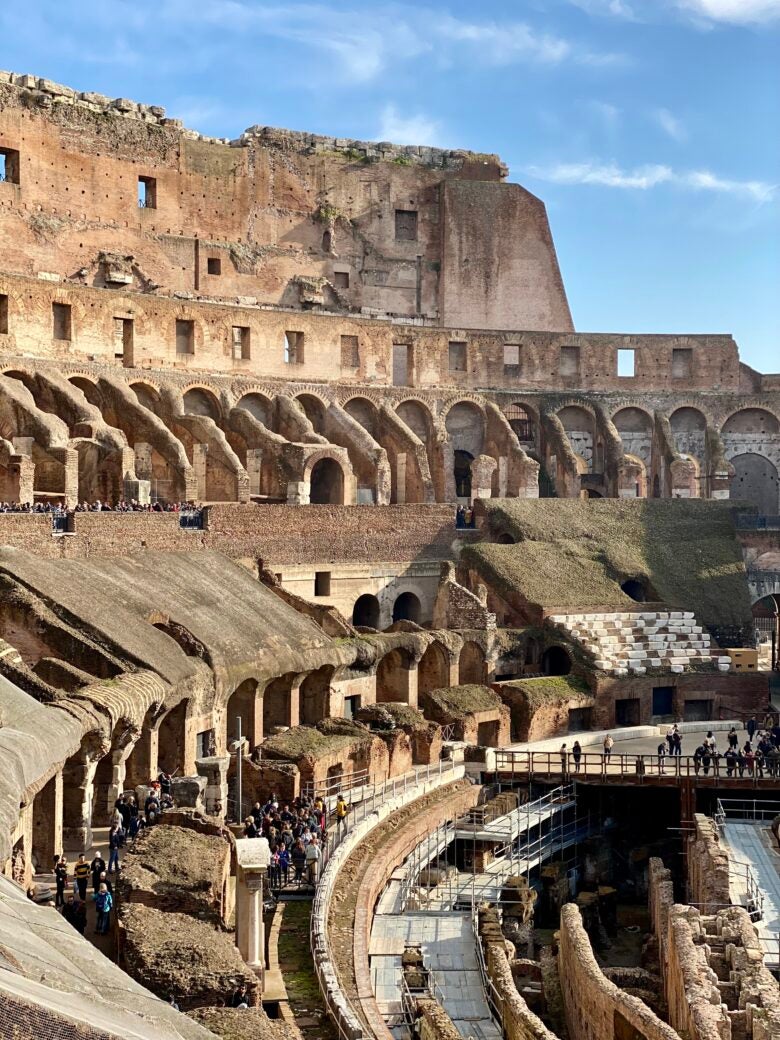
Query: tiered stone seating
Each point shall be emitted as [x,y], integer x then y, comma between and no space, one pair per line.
[633,642]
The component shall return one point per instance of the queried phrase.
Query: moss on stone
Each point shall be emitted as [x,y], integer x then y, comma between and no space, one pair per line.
[460,701]
[550,689]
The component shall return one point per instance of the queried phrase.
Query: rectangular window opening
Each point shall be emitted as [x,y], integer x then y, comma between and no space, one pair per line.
[570,361]
[185,336]
[293,348]
[3,313]
[123,339]
[341,279]
[214,265]
[350,352]
[240,343]
[61,320]
[682,362]
[406,225]
[9,165]
[402,364]
[511,355]
[626,363]
[322,583]
[147,193]
[457,356]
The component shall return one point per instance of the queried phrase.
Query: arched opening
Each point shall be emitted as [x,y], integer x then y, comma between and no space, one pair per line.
[462,471]
[111,772]
[315,696]
[579,426]
[147,396]
[522,424]
[505,538]
[364,412]
[755,482]
[327,483]
[245,703]
[141,763]
[751,423]
[394,678]
[258,406]
[172,741]
[636,433]
[191,646]
[88,388]
[327,241]
[636,589]
[766,618]
[555,661]
[433,671]
[314,411]
[407,607]
[365,613]
[689,432]
[472,667]
[277,703]
[201,402]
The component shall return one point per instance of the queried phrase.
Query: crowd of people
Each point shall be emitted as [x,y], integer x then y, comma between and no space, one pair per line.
[757,756]
[72,883]
[464,517]
[57,507]
[297,834]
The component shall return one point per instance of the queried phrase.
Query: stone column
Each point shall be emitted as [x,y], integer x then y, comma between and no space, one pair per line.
[254,465]
[215,770]
[199,463]
[47,822]
[400,478]
[252,858]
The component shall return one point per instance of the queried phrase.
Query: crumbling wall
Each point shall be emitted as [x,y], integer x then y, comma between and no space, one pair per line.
[595,1008]
[708,867]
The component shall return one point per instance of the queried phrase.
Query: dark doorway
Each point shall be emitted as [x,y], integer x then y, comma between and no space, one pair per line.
[635,588]
[555,661]
[663,700]
[579,720]
[462,469]
[365,613]
[407,608]
[327,483]
[697,711]
[627,712]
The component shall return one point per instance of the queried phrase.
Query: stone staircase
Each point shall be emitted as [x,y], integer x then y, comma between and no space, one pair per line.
[624,643]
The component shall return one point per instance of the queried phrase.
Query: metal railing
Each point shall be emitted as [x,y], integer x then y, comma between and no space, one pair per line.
[333,785]
[754,522]
[756,809]
[638,769]
[494,999]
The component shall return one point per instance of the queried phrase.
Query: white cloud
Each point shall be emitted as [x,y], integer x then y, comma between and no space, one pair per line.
[416,129]
[670,124]
[642,178]
[737,12]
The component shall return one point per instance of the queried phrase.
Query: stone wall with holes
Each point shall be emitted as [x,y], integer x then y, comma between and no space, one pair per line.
[708,866]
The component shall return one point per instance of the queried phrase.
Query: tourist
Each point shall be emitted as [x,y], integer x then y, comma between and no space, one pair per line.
[670,738]
[97,867]
[103,903]
[250,828]
[60,880]
[298,859]
[576,754]
[137,824]
[341,812]
[284,863]
[750,726]
[172,1001]
[165,781]
[733,738]
[313,860]
[564,758]
[661,752]
[608,743]
[81,874]
[677,743]
[78,916]
[731,760]
[151,809]
[239,997]
[116,840]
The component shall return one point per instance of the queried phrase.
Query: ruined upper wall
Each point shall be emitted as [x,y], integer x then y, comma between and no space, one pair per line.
[283,218]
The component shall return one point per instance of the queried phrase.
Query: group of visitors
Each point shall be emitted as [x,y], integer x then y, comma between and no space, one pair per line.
[122,506]
[30,507]
[576,753]
[464,517]
[74,907]
[297,835]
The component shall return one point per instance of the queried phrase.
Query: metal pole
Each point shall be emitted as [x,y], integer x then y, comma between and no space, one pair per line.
[239,768]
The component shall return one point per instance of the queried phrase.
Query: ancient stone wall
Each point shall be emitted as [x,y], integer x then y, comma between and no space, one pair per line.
[434,1023]
[708,867]
[595,1008]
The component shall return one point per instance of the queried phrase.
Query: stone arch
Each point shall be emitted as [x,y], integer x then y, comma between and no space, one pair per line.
[394,678]
[111,771]
[755,480]
[755,422]
[556,661]
[246,703]
[433,671]
[472,665]
[78,791]
[141,762]
[259,406]
[366,612]
[417,416]
[198,400]
[636,589]
[407,607]
[148,396]
[464,422]
[314,409]
[315,696]
[632,477]
[523,420]
[579,424]
[89,388]
[326,481]
[635,427]
[190,644]
[277,703]
[364,412]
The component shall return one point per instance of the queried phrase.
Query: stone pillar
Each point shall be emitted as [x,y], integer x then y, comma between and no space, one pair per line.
[140,490]
[295,702]
[254,465]
[143,460]
[400,478]
[298,493]
[252,858]
[78,792]
[141,766]
[215,770]
[199,464]
[188,792]
[47,822]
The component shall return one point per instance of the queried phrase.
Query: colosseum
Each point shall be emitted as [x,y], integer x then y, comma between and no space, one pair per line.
[406,658]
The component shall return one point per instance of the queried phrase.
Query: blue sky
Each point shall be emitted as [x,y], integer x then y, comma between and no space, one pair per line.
[649,127]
